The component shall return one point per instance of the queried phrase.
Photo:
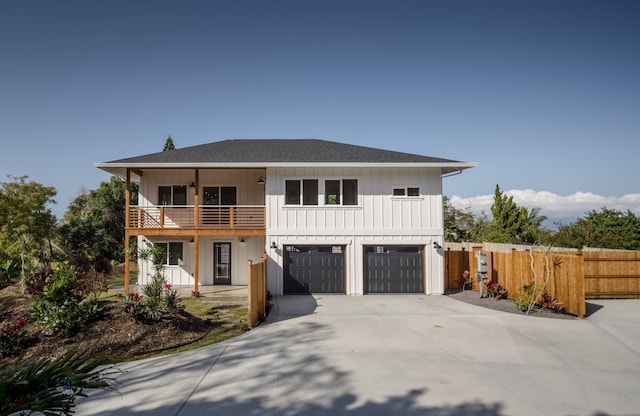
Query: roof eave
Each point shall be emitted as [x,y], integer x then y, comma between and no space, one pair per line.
[119,169]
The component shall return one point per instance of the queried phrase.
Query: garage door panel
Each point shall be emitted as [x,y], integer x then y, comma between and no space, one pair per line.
[313,271]
[394,270]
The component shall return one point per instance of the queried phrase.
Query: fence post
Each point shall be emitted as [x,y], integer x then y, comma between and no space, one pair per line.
[250,288]
[580,290]
[263,279]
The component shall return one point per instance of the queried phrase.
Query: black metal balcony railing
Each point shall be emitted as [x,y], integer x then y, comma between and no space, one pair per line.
[189,216]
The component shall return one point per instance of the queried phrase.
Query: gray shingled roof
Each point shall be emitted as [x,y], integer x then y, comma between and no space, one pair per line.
[279,151]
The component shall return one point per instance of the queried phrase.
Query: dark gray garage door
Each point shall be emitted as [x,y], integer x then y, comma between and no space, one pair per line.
[313,269]
[394,269]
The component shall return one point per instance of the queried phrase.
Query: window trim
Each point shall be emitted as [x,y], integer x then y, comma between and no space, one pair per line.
[406,194]
[314,197]
[167,257]
[172,189]
[286,191]
[220,195]
[322,195]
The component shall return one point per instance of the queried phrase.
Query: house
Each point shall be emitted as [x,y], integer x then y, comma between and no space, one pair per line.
[332,217]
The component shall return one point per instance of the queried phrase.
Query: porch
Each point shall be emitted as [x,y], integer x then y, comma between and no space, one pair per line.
[218,295]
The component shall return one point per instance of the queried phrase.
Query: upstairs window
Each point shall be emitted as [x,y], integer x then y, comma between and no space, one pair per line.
[332,192]
[413,191]
[341,192]
[309,192]
[292,193]
[172,195]
[336,192]
[219,195]
[350,192]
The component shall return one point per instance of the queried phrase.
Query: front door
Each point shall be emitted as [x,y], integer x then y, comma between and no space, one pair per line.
[221,263]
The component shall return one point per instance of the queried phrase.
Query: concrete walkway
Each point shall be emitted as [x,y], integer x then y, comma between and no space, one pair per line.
[396,355]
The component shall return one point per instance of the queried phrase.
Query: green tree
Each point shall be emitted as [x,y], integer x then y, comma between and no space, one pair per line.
[24,210]
[168,145]
[511,223]
[608,228]
[458,224]
[480,228]
[533,231]
[93,225]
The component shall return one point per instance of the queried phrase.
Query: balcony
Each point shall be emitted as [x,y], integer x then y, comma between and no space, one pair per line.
[189,217]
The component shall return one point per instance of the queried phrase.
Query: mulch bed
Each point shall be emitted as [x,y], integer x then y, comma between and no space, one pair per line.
[504,305]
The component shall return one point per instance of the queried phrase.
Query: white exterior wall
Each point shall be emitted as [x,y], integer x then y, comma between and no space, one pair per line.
[182,275]
[378,219]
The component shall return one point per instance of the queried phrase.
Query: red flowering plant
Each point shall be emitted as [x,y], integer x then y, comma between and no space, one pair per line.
[134,297]
[465,281]
[171,298]
[12,334]
[495,290]
[133,305]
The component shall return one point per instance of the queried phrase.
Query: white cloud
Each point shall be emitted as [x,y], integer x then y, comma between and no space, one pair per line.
[557,208]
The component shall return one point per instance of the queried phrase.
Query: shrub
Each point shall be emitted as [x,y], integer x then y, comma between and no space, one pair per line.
[50,387]
[465,281]
[103,265]
[545,300]
[550,302]
[153,292]
[170,298]
[495,290]
[159,298]
[82,264]
[9,273]
[524,298]
[92,284]
[12,335]
[61,308]
[134,306]
[36,281]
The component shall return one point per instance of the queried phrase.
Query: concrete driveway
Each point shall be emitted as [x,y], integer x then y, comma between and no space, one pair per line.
[396,355]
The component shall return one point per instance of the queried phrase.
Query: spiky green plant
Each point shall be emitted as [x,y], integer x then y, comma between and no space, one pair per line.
[52,386]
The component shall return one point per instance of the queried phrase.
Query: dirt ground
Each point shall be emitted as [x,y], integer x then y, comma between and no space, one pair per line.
[117,335]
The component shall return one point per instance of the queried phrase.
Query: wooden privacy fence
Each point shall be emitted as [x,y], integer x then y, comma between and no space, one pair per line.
[611,274]
[575,275]
[565,270]
[512,269]
[257,291]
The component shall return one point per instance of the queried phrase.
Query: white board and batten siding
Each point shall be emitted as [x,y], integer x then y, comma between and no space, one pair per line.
[379,218]
[183,274]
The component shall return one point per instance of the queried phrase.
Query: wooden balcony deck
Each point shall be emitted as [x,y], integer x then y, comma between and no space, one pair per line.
[184,219]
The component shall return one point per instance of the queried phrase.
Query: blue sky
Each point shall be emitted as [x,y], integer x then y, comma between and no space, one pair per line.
[545,95]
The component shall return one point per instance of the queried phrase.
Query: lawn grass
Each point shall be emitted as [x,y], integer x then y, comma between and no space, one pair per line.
[235,324]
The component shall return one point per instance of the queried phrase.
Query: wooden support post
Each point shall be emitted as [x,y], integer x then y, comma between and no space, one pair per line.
[126,263]
[250,290]
[127,201]
[196,256]
[196,202]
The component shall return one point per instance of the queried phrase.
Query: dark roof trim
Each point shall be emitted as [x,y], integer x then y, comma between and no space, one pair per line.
[262,153]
